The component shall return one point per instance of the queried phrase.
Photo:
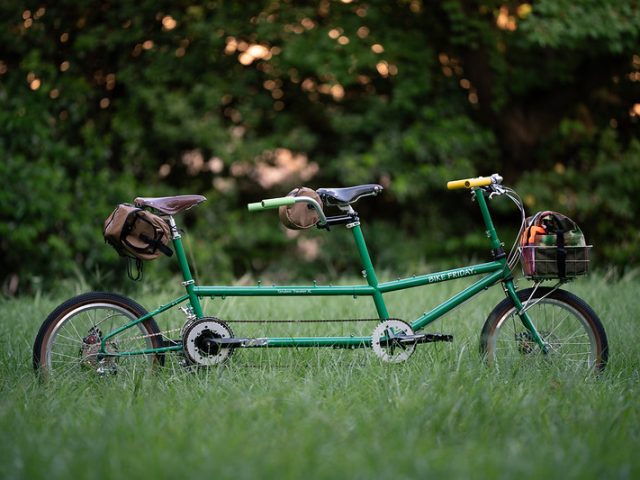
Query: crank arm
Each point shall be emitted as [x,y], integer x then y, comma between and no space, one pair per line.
[415,339]
[434,337]
[240,342]
[419,338]
[224,342]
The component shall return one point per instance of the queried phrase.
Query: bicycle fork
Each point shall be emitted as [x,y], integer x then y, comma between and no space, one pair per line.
[510,291]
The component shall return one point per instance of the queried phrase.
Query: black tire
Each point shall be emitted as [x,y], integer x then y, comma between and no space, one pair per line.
[570,327]
[69,339]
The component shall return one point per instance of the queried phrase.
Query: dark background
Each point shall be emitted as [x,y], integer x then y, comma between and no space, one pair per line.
[103,101]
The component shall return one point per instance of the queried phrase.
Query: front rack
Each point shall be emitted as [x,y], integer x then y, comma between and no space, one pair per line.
[545,262]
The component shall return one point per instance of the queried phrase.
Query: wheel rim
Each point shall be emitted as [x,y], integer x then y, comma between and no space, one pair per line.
[567,332]
[75,340]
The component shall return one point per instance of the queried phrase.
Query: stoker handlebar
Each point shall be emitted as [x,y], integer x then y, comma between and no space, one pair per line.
[271,203]
[286,201]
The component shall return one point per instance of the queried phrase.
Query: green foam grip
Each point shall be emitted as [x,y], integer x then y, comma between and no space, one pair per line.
[254,207]
[278,202]
[271,203]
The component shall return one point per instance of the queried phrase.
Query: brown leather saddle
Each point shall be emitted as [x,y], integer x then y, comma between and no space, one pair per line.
[170,205]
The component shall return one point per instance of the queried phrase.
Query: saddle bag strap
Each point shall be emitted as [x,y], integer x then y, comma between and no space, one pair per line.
[157,244]
[139,269]
[128,226]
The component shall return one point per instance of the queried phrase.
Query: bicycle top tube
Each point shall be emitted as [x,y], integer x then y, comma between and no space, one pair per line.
[343,198]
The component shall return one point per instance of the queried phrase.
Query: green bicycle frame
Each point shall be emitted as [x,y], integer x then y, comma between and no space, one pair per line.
[493,273]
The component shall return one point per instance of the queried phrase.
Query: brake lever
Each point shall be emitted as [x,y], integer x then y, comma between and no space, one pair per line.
[497,190]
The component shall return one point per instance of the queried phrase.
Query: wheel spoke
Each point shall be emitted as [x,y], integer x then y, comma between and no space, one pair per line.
[561,324]
[68,345]
[72,325]
[70,339]
[76,332]
[577,333]
[63,355]
[69,368]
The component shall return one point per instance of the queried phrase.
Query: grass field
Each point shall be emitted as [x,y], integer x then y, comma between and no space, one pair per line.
[329,413]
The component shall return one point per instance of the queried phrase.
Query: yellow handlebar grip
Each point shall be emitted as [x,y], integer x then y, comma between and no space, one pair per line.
[469,183]
[455,184]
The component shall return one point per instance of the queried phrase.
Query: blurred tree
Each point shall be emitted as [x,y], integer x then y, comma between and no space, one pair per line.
[101,101]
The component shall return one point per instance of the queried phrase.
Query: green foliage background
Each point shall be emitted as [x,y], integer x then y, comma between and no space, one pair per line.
[103,101]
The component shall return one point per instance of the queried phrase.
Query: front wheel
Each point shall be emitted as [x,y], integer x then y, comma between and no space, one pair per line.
[572,331]
[70,339]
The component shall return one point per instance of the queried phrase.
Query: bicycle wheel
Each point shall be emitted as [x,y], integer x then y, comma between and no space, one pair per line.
[69,340]
[573,332]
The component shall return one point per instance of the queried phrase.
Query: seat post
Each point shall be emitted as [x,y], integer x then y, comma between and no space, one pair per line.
[188,282]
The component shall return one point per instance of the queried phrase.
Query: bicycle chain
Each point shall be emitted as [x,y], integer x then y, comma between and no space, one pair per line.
[153,334]
[341,320]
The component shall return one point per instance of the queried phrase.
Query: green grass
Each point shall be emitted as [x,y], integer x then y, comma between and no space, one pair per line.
[323,413]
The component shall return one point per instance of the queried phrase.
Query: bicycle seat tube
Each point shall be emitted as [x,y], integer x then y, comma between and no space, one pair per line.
[368,272]
[188,280]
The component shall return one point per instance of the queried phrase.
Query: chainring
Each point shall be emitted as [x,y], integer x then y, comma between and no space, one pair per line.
[386,341]
[199,342]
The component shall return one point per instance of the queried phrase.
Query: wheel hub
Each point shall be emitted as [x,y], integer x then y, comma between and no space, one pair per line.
[527,344]
[91,353]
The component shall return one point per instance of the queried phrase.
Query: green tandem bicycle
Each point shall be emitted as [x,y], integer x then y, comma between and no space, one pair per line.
[107,333]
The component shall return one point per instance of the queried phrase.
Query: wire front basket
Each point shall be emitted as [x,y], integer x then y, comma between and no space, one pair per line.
[545,263]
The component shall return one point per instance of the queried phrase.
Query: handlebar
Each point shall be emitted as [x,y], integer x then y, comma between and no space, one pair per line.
[286,201]
[475,182]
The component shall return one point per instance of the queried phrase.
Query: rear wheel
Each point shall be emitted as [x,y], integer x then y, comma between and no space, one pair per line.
[573,332]
[70,339]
